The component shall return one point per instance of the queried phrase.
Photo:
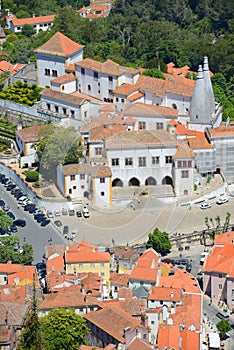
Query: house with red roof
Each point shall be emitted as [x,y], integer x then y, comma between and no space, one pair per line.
[94,11]
[218,272]
[54,56]
[43,23]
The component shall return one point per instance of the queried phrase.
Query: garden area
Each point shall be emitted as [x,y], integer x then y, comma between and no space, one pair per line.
[21,93]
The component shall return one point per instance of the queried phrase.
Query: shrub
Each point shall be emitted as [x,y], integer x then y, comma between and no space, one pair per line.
[32,176]
[195,187]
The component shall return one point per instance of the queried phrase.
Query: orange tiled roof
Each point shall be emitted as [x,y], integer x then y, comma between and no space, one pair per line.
[221,260]
[14,293]
[105,131]
[32,20]
[26,275]
[113,320]
[59,45]
[85,252]
[61,96]
[135,96]
[199,143]
[108,67]
[181,129]
[190,340]
[119,279]
[139,344]
[9,268]
[30,134]
[66,78]
[125,89]
[86,97]
[55,263]
[8,67]
[165,293]
[144,109]
[222,131]
[224,238]
[147,267]
[125,293]
[183,151]
[140,138]
[168,336]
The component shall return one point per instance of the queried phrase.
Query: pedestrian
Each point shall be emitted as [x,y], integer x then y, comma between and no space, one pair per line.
[24,239]
[18,206]
[138,201]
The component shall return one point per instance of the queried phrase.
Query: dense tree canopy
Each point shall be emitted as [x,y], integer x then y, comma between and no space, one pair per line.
[25,257]
[5,220]
[58,145]
[159,241]
[63,329]
[223,326]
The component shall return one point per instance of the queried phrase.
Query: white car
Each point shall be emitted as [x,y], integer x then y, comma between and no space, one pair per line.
[74,233]
[85,212]
[49,214]
[222,200]
[205,205]
[57,213]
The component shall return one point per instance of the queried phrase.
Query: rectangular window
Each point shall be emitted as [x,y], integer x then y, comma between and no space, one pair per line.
[184,164]
[128,161]
[122,100]
[102,180]
[155,160]
[101,264]
[98,151]
[89,87]
[54,73]
[142,125]
[220,286]
[74,187]
[110,78]
[95,75]
[64,111]
[110,92]
[117,99]
[69,266]
[142,161]
[189,164]
[168,159]
[159,126]
[220,275]
[82,176]
[82,71]
[232,292]
[62,87]
[92,265]
[48,106]
[47,72]
[179,164]
[56,109]
[72,114]
[80,266]
[72,177]
[184,174]
[70,191]
[115,161]
[102,274]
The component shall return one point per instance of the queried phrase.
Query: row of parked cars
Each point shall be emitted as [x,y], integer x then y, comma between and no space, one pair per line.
[70,212]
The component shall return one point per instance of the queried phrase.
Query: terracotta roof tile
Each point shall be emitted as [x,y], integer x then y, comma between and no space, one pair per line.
[189,313]
[222,131]
[60,96]
[101,170]
[141,138]
[125,293]
[80,168]
[143,109]
[32,20]
[183,151]
[84,252]
[64,79]
[124,252]
[65,298]
[108,67]
[125,89]
[199,143]
[165,294]
[224,238]
[86,97]
[105,131]
[190,340]
[221,260]
[26,275]
[112,320]
[6,66]
[168,336]
[60,45]
[135,96]
[139,344]
[119,279]
[15,312]
[55,263]
[30,134]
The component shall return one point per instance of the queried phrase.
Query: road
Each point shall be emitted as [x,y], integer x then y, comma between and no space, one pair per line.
[34,234]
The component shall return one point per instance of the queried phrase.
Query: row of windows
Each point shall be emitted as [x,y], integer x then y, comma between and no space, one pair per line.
[141,161]
[40,25]
[82,177]
[95,75]
[52,72]
[92,266]
[64,110]
[142,126]
[184,164]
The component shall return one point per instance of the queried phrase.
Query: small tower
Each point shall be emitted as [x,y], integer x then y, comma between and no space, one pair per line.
[202,107]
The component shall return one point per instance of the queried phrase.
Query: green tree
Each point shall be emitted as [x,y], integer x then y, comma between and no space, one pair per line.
[159,241]
[26,257]
[154,73]
[32,176]
[63,329]
[5,220]
[58,146]
[30,337]
[223,326]
[28,30]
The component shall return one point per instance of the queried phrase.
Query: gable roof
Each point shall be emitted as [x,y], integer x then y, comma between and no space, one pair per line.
[197,143]
[113,320]
[17,22]
[143,109]
[221,260]
[15,312]
[183,151]
[224,238]
[84,252]
[30,134]
[64,79]
[165,294]
[59,45]
[139,344]
[61,96]
[147,267]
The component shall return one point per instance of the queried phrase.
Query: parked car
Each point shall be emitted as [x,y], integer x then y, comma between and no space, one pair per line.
[65,230]
[74,233]
[6,207]
[2,203]
[58,223]
[205,205]
[222,200]
[71,212]
[64,211]
[13,228]
[11,215]
[49,214]
[10,187]
[45,222]
[57,213]
[19,222]
[78,214]
[180,248]
[187,247]
[85,212]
